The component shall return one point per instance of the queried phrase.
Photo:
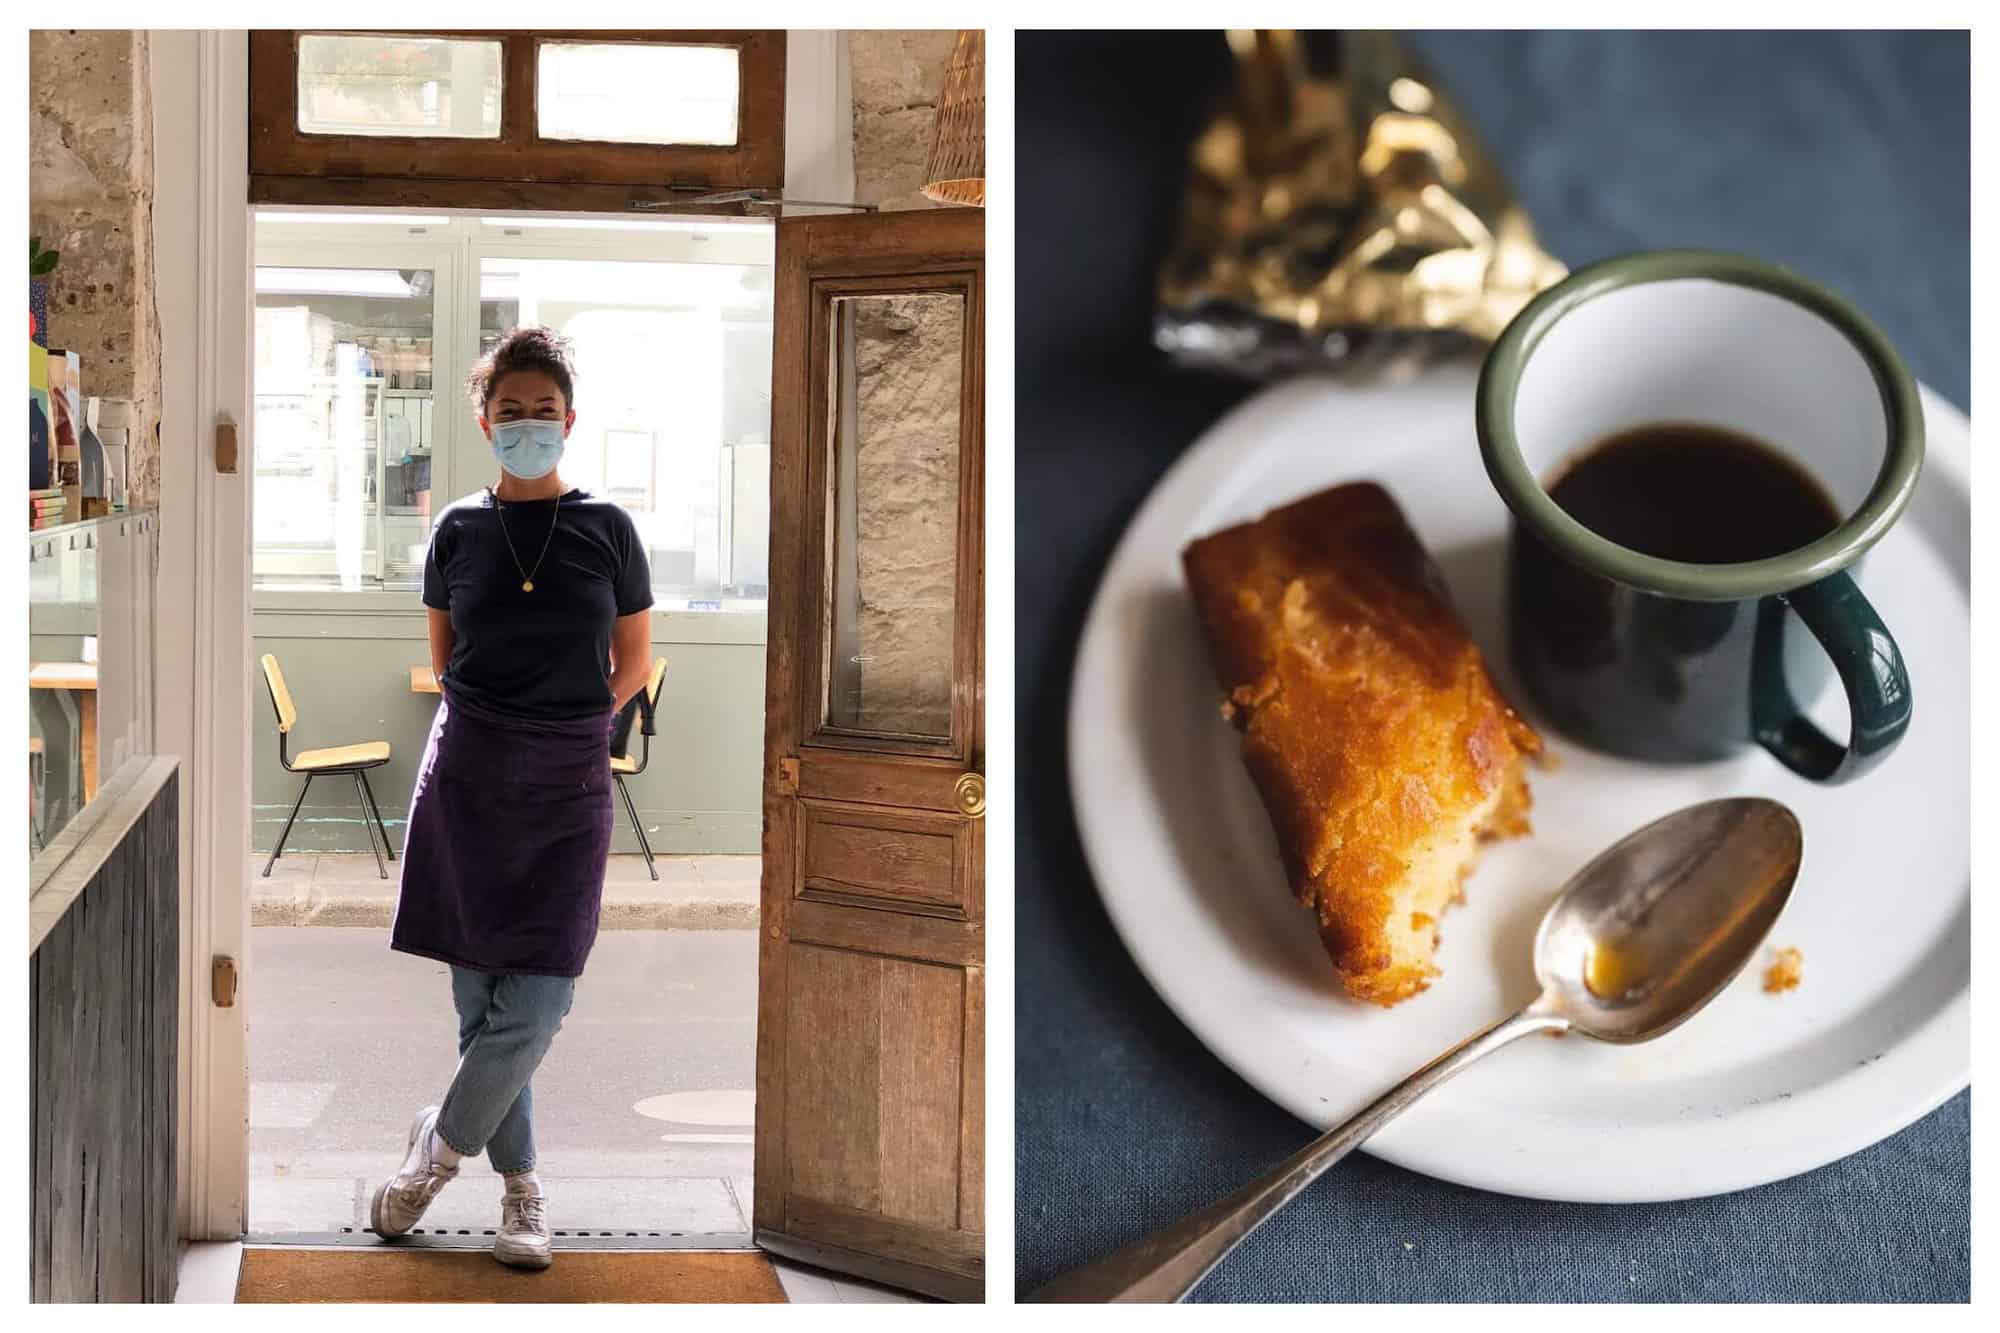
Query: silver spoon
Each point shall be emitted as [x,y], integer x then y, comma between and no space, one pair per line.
[1639,941]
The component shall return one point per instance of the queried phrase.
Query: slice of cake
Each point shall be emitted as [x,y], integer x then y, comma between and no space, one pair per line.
[1383,751]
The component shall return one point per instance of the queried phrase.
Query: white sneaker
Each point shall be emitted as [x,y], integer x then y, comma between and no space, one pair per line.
[401,1199]
[523,1241]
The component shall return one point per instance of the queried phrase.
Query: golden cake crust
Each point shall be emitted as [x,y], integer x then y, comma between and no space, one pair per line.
[1369,721]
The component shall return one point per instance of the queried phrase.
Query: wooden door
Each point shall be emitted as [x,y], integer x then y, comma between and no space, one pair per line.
[871,995]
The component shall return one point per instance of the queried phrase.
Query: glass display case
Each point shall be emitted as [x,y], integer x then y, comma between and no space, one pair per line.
[344,416]
[90,662]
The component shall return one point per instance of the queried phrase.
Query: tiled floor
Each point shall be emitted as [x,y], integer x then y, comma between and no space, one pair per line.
[209,1268]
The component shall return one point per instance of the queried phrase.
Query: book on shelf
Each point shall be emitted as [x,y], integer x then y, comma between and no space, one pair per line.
[41,445]
[66,398]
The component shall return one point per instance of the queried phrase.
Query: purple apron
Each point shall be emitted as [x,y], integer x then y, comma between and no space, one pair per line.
[510,826]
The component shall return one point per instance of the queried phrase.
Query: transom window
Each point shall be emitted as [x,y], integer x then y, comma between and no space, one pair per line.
[564,121]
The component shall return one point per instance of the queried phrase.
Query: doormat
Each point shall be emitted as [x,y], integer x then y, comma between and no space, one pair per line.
[293,1274]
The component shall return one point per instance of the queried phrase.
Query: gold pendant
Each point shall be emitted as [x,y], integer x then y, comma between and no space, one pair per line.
[527,585]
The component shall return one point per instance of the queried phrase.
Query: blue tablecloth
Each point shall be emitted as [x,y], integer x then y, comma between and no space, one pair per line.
[1844,156]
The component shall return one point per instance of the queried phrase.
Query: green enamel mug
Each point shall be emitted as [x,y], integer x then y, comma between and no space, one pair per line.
[1675,661]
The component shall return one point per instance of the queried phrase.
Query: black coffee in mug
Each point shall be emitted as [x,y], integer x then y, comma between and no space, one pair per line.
[1679,592]
[1702,494]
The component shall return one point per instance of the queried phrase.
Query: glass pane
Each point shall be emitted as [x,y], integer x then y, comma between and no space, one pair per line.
[90,661]
[63,625]
[391,85]
[626,92]
[344,426]
[895,376]
[673,406]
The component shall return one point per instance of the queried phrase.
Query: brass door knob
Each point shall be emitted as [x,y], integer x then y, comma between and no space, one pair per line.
[971,792]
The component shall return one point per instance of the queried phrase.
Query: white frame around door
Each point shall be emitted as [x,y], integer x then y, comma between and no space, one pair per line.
[201,230]
[205,294]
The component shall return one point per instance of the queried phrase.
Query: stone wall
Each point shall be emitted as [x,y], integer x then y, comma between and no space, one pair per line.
[90,195]
[907,366]
[907,358]
[896,77]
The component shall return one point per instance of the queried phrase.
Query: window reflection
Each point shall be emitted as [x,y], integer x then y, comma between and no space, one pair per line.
[345,411]
[897,364]
[673,411]
[399,85]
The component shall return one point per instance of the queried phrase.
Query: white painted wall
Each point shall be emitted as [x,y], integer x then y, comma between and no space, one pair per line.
[819,119]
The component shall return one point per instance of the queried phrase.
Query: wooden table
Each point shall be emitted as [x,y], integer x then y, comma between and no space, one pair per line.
[82,678]
[423,682]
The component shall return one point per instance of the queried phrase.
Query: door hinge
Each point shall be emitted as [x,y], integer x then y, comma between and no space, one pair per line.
[222,981]
[788,775]
[225,447]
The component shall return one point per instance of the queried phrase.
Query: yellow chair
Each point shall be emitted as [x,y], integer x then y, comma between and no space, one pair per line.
[340,760]
[624,765]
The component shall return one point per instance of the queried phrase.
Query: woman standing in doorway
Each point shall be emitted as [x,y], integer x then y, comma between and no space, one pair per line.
[540,627]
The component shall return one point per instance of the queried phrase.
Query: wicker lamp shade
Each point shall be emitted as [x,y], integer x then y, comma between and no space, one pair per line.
[956,170]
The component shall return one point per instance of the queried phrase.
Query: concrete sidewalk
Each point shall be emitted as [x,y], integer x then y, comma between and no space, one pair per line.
[644,1105]
[693,892]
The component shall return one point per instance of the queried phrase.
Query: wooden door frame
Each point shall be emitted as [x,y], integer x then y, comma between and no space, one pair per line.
[204,291]
[797,343]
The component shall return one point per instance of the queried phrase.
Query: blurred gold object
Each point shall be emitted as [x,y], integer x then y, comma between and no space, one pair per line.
[1341,215]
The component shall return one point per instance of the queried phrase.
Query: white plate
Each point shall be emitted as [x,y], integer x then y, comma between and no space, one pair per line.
[1755,1088]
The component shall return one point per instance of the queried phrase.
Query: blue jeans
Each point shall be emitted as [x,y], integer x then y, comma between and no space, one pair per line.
[505,1025]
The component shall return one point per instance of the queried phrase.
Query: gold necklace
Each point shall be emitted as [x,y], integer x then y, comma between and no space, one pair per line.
[527,575]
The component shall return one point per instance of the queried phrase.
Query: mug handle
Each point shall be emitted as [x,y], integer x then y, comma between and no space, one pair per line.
[1871,671]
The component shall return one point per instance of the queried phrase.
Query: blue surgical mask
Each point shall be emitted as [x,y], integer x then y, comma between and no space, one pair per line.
[528,449]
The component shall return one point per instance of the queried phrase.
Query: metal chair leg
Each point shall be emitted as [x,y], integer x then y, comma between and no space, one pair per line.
[369,788]
[279,850]
[369,829]
[637,827]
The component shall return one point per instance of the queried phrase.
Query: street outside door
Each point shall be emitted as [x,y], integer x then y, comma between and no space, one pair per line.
[871,997]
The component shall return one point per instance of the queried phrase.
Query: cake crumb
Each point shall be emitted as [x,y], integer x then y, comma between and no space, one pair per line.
[1786,971]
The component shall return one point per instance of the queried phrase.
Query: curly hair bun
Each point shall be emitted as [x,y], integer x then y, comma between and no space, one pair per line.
[525,347]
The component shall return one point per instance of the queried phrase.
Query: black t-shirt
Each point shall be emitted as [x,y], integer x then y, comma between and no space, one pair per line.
[546,653]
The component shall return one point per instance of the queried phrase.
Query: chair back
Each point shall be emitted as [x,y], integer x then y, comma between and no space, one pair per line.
[281,697]
[654,682]
[642,705]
